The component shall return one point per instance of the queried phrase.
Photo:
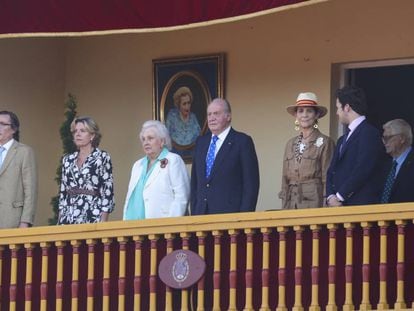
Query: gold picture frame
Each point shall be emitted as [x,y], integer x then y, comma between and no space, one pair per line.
[203,76]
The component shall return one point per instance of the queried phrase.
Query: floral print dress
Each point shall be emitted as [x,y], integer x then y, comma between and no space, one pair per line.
[86,192]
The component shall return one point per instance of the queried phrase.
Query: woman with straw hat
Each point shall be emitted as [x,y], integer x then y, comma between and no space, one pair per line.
[307,156]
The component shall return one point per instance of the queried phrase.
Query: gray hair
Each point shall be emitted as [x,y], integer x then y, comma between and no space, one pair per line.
[400,126]
[223,102]
[160,130]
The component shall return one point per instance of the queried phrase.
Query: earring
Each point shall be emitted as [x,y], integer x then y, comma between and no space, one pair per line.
[315,125]
[296,125]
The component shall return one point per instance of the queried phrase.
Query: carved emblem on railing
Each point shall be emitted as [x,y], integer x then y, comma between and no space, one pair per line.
[181,269]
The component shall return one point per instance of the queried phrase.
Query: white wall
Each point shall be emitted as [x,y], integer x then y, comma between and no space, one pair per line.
[32,85]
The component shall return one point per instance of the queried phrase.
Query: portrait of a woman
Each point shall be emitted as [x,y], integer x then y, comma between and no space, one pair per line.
[181,122]
[86,189]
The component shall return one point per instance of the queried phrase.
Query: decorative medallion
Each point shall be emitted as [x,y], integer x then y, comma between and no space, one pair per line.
[181,269]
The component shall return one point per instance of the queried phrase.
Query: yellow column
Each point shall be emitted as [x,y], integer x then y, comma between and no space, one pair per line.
[265,269]
[91,271]
[298,269]
[348,304]
[13,276]
[282,269]
[382,302]
[314,306]
[137,272]
[400,303]
[153,272]
[29,272]
[216,275]
[184,293]
[168,294]
[43,281]
[331,306]
[106,273]
[75,273]
[59,275]
[1,269]
[249,270]
[233,270]
[200,285]
[121,278]
[365,303]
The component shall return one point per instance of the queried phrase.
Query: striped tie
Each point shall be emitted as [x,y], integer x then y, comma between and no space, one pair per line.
[389,183]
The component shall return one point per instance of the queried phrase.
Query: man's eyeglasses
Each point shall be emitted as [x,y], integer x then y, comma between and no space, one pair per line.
[3,125]
[386,139]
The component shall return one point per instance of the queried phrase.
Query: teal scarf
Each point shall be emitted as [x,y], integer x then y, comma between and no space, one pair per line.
[136,206]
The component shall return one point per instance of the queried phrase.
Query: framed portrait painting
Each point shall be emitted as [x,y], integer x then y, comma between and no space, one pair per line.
[183,87]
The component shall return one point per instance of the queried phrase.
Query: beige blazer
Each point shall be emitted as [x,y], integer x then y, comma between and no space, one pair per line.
[18,186]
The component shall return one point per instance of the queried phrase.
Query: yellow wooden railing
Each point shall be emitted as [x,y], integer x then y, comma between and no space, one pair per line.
[345,258]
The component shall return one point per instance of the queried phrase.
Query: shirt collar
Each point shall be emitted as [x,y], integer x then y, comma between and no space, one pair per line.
[161,156]
[222,136]
[354,124]
[401,158]
[8,145]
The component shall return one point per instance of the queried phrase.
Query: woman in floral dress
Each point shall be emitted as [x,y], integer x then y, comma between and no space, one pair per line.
[86,190]
[307,157]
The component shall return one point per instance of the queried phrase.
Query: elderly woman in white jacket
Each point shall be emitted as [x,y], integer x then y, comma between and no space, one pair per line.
[159,184]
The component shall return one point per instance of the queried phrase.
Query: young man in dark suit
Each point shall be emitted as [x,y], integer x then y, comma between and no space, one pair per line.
[225,170]
[357,155]
[398,173]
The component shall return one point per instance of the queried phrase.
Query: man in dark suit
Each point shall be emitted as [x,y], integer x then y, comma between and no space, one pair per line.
[225,170]
[398,177]
[357,155]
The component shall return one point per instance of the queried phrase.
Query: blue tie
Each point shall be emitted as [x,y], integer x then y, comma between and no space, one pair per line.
[389,183]
[1,153]
[343,143]
[211,155]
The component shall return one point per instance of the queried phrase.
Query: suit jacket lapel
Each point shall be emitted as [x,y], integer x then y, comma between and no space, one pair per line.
[353,136]
[154,174]
[10,155]
[408,161]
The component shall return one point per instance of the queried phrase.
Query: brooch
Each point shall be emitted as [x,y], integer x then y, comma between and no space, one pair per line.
[319,142]
[163,162]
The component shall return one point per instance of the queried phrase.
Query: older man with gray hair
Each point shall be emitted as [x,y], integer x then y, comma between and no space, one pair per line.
[398,179]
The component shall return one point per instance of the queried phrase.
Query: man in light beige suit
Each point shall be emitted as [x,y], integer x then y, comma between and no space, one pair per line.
[18,176]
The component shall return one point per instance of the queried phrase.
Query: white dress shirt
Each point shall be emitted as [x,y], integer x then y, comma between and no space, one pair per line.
[7,147]
[221,137]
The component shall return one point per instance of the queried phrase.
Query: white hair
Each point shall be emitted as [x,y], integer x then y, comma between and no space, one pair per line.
[160,130]
[400,126]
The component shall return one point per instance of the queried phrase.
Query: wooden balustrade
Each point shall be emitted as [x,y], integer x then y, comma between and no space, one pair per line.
[318,259]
